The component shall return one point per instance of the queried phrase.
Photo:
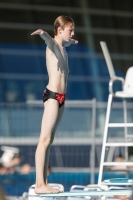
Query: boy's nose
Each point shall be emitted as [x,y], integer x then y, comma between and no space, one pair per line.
[73,33]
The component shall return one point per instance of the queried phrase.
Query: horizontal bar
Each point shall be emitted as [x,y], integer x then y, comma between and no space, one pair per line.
[118,163]
[20,76]
[76,10]
[68,103]
[120,125]
[116,184]
[57,141]
[119,144]
[22,52]
[89,193]
[73,78]
[79,29]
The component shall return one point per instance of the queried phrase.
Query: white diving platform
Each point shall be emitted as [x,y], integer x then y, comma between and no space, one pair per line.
[108,188]
[89,193]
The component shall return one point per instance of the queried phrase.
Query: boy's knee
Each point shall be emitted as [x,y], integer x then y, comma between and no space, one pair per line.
[47,141]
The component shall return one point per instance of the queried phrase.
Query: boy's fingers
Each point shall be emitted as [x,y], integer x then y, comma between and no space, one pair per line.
[35,33]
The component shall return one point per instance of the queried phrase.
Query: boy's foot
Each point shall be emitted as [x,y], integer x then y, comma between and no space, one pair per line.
[46,190]
[59,191]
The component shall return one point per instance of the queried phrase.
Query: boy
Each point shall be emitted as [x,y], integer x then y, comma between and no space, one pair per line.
[54,95]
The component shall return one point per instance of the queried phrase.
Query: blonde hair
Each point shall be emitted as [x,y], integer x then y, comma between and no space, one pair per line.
[62,21]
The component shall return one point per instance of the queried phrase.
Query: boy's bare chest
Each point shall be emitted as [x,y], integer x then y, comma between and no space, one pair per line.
[58,54]
[58,58]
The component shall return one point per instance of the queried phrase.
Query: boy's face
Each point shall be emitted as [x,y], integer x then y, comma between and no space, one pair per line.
[67,33]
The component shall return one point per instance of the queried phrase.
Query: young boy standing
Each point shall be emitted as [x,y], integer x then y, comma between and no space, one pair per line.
[54,95]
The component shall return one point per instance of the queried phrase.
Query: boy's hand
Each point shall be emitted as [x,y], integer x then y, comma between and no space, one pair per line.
[39,31]
[71,41]
[74,41]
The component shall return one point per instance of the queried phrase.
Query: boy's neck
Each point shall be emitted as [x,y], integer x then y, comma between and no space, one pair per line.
[58,41]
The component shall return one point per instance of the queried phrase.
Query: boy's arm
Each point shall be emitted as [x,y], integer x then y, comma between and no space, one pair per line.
[72,41]
[45,36]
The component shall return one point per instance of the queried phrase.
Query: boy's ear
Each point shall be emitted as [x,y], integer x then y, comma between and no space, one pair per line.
[59,30]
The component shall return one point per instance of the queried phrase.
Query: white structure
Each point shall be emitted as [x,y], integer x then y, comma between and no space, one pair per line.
[127,92]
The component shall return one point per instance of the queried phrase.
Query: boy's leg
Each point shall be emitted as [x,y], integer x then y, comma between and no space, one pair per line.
[60,114]
[49,120]
[59,118]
